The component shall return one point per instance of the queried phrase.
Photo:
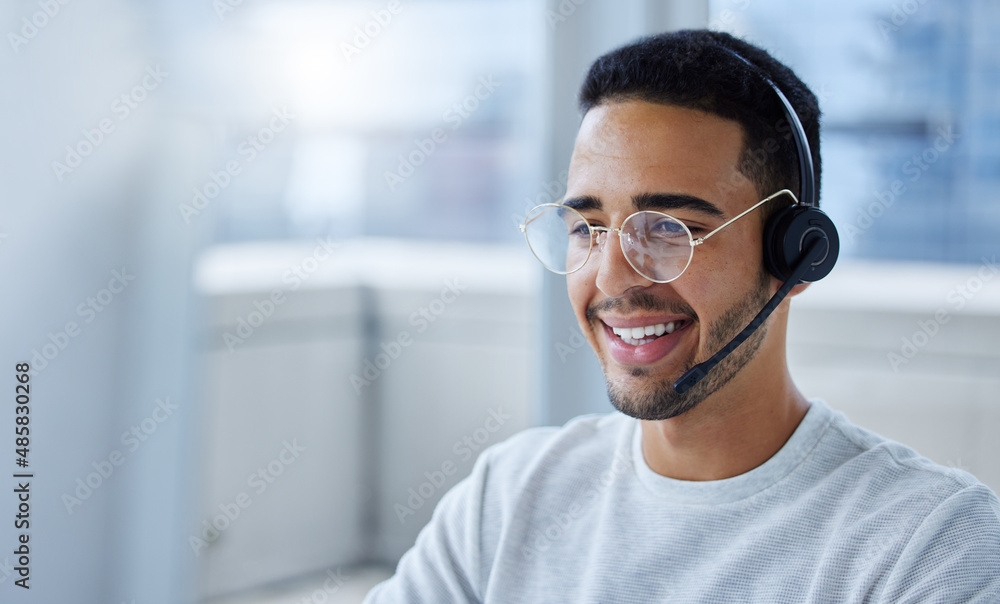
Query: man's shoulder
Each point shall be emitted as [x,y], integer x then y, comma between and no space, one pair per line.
[879,453]
[880,472]
[925,527]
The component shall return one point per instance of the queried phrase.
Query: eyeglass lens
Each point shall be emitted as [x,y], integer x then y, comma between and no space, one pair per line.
[656,245]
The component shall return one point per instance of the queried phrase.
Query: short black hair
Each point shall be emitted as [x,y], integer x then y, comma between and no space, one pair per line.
[688,68]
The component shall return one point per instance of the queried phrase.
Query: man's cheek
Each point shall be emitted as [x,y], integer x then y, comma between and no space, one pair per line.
[576,295]
[579,300]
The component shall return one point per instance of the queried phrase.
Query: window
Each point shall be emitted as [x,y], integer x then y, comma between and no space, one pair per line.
[910,130]
[426,122]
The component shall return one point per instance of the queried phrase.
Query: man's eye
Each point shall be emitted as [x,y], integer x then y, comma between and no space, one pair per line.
[581,229]
[668,228]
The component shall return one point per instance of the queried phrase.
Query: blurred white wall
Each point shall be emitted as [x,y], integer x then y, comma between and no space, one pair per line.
[392,366]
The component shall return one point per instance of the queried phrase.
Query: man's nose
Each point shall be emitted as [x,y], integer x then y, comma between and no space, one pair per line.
[615,275]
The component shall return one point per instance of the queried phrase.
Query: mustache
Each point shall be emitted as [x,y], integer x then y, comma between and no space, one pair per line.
[639,300]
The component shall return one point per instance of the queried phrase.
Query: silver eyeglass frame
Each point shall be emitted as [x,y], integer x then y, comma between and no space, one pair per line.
[598,229]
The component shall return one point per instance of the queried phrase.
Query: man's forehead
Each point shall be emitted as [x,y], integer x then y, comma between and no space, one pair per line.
[660,157]
[613,126]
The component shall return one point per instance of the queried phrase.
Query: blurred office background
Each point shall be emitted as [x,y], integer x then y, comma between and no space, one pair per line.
[263,258]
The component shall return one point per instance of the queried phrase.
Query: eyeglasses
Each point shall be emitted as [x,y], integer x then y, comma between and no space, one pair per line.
[658,246]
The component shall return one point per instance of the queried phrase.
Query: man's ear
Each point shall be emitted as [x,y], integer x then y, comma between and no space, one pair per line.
[798,289]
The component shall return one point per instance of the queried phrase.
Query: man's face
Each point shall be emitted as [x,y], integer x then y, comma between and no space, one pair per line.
[669,159]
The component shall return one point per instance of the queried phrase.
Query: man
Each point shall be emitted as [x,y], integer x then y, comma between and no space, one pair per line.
[739,488]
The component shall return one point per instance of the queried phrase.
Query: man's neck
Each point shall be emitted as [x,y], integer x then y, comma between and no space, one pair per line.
[730,433]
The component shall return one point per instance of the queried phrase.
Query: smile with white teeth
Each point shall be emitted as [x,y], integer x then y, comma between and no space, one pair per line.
[637,336]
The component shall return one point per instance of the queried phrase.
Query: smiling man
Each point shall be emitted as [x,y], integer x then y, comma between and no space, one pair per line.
[635,155]
[716,480]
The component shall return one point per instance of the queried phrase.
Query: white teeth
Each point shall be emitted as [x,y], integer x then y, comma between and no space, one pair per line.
[637,336]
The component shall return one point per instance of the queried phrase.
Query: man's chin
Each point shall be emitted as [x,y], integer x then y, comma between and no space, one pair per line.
[654,400]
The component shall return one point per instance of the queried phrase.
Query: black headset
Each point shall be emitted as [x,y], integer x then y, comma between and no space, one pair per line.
[790,231]
[800,242]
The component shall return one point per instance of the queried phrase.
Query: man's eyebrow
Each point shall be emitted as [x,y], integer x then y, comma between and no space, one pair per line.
[673,201]
[652,201]
[587,202]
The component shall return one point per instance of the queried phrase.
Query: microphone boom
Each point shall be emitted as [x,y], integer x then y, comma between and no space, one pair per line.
[815,252]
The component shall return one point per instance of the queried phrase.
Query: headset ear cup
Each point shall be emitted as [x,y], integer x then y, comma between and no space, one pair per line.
[790,231]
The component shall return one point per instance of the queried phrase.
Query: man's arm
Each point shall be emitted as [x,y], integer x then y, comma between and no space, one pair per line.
[954,556]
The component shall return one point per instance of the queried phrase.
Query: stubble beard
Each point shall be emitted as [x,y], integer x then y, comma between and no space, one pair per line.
[659,400]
